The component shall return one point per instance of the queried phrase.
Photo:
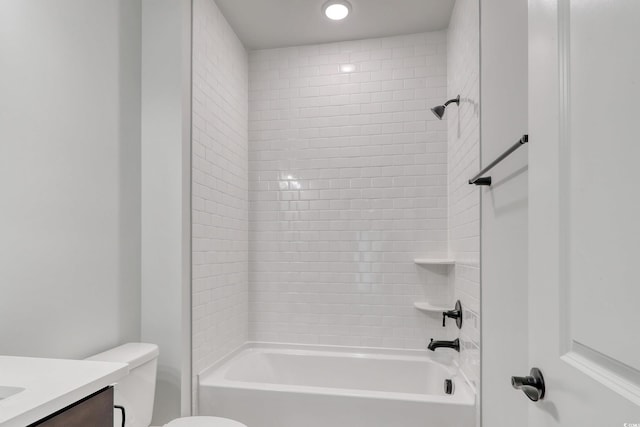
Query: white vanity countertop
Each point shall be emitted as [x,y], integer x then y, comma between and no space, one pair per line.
[49,385]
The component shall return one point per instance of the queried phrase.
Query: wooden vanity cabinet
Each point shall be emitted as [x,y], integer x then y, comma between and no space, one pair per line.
[92,411]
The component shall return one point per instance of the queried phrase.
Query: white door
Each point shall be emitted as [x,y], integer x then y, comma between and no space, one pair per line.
[584,175]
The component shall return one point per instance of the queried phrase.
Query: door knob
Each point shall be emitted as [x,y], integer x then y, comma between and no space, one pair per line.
[532,386]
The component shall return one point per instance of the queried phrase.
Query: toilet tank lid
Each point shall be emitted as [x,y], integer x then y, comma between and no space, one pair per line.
[134,354]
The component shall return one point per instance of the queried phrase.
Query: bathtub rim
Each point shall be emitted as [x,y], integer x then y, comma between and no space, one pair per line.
[441,358]
[464,395]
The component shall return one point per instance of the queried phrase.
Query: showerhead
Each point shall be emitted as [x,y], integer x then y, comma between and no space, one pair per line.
[439,110]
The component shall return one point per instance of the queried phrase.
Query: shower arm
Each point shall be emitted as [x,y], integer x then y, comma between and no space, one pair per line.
[451,101]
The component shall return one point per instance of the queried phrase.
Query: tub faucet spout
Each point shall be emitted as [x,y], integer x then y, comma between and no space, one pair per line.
[455,344]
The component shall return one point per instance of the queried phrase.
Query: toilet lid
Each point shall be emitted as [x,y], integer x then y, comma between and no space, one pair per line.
[204,422]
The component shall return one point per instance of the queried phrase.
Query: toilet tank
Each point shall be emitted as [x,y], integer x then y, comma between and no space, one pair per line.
[135,392]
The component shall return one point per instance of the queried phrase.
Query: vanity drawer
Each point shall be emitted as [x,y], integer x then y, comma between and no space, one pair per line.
[94,411]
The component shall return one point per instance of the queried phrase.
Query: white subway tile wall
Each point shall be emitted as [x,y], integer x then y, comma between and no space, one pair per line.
[348,184]
[220,187]
[464,162]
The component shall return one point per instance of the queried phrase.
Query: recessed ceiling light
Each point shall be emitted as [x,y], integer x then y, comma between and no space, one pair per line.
[336,10]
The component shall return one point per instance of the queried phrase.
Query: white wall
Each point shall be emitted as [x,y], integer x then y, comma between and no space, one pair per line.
[166,209]
[69,176]
[504,211]
[464,162]
[220,187]
[348,184]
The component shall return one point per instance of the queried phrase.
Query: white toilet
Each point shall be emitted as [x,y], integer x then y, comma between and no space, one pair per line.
[135,392]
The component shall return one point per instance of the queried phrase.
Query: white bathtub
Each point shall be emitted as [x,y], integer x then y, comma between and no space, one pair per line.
[299,386]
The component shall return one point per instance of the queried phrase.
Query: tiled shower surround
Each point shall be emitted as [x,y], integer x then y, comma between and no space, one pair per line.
[220,187]
[319,174]
[464,162]
[348,184]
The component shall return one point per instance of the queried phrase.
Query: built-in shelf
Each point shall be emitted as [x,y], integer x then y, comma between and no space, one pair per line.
[430,308]
[434,261]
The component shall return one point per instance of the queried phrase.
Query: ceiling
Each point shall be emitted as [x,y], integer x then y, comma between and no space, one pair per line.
[263,24]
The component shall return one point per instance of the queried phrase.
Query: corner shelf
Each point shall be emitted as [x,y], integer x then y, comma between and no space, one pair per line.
[429,308]
[434,261]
